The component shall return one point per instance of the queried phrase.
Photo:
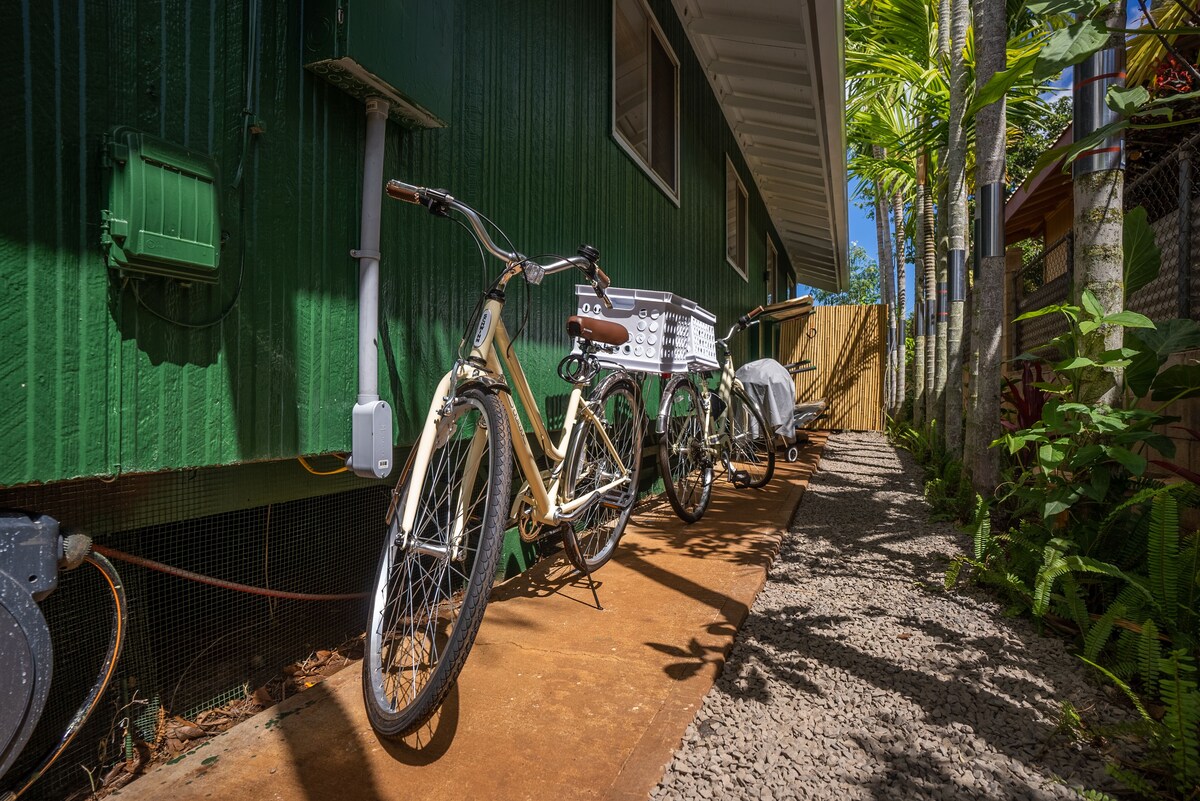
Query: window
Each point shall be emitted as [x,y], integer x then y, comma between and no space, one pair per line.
[736,233]
[646,94]
[774,290]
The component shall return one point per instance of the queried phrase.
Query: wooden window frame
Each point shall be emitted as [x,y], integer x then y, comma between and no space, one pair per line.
[652,29]
[772,271]
[744,233]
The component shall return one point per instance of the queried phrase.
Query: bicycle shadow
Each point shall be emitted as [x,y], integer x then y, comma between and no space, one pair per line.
[551,575]
[429,743]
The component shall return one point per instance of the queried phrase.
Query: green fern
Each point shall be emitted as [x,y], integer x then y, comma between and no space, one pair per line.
[1133,780]
[1098,633]
[1149,654]
[1054,566]
[1163,555]
[1124,660]
[952,571]
[1074,604]
[981,529]
[1179,693]
[1123,687]
[1143,496]
[1188,594]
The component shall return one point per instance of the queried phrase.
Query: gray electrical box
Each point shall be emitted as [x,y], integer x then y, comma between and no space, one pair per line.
[371,439]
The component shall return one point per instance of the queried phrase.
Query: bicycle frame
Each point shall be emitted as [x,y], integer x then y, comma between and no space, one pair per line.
[492,356]
[716,439]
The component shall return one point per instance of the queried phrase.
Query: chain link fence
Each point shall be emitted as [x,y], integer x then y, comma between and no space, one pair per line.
[1167,190]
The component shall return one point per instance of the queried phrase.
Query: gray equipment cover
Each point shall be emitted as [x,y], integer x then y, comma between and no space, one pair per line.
[770,384]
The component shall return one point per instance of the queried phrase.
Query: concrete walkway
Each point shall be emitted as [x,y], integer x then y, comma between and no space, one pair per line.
[557,700]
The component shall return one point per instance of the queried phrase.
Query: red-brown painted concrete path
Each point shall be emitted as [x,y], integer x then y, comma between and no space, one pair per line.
[557,701]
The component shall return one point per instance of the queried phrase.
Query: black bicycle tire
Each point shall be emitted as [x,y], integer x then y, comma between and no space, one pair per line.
[768,446]
[664,457]
[394,724]
[575,455]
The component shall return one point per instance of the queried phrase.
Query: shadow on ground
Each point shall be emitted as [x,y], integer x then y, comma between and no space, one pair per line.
[856,667]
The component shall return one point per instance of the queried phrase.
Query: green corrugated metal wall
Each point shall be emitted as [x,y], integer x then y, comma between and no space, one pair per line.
[93,384]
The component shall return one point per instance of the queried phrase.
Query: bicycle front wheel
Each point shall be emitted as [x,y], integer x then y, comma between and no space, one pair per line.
[616,418]
[433,583]
[683,461]
[751,443]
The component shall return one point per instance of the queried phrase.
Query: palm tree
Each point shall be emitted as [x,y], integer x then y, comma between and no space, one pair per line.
[928,251]
[899,323]
[898,70]
[1098,187]
[983,417]
[956,225]
[886,271]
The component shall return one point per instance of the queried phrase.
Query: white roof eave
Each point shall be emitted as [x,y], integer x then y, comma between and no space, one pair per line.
[777,69]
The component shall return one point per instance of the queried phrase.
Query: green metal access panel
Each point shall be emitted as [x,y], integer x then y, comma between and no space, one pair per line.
[400,50]
[162,215]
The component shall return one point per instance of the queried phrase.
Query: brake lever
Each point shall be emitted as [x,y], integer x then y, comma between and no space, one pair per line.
[601,294]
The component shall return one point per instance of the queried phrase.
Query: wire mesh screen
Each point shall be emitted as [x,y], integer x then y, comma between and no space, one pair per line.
[1163,183]
[193,647]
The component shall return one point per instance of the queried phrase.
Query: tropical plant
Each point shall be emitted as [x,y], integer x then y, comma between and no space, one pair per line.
[1084,540]
[864,282]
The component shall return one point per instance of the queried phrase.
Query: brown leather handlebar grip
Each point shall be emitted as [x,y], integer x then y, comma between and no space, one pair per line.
[596,330]
[757,310]
[402,191]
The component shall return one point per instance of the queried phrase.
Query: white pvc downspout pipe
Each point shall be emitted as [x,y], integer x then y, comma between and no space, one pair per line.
[371,419]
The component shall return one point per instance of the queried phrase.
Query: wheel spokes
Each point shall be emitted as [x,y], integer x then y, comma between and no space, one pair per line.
[423,593]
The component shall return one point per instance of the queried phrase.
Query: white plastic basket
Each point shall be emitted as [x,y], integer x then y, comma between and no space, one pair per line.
[667,333]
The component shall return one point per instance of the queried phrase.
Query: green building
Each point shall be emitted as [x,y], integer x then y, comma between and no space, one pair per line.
[181,302]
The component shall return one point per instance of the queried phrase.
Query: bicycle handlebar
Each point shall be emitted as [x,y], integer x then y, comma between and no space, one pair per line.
[439,201]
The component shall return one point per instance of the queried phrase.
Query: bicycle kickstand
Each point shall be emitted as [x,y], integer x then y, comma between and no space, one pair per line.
[570,542]
[591,584]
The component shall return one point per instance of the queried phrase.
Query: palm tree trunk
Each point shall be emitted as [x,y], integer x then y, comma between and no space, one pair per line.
[937,400]
[886,290]
[938,410]
[956,158]
[919,318]
[991,32]
[900,325]
[1099,179]
[929,268]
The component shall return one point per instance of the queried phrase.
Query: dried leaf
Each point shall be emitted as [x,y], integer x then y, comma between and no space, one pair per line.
[263,698]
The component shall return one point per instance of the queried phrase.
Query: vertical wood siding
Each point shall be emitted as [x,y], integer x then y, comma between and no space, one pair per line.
[93,384]
[846,343]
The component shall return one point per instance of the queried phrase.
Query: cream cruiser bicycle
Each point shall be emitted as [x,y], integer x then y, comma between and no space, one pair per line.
[451,505]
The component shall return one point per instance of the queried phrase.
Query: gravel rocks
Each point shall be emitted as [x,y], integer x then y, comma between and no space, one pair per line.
[856,676]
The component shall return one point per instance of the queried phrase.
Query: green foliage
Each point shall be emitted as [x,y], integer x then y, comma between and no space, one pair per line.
[863,289]
[1181,720]
[1080,536]
[1141,253]
[1035,137]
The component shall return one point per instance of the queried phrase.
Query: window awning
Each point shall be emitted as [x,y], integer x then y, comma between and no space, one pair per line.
[777,68]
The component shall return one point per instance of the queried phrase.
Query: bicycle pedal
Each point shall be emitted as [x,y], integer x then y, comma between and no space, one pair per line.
[740,478]
[618,501]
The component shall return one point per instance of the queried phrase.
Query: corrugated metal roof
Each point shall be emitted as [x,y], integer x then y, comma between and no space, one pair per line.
[777,69]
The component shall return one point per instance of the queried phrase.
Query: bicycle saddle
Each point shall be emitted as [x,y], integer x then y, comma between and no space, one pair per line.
[596,330]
